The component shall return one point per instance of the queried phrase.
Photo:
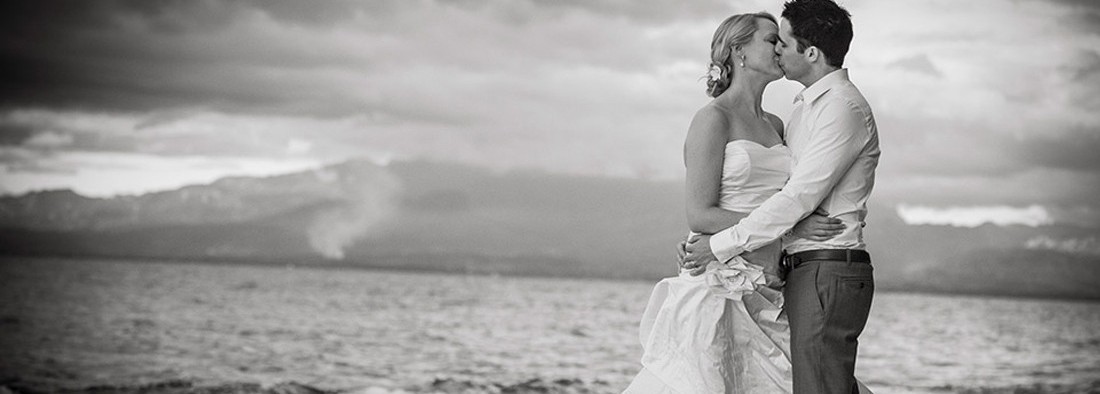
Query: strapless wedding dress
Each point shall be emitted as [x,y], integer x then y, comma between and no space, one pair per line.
[723,331]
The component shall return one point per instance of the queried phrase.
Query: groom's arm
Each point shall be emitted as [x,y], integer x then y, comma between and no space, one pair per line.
[835,144]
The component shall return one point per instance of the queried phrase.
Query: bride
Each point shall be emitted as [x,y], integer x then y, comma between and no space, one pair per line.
[725,331]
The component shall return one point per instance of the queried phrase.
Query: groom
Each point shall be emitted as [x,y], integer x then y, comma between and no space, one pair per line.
[833,137]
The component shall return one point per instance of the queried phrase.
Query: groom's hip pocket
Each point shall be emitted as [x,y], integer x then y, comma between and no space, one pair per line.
[846,292]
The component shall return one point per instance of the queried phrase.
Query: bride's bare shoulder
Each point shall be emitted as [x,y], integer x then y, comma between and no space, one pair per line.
[709,114]
[709,122]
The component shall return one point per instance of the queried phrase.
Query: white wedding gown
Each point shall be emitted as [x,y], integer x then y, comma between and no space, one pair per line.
[723,331]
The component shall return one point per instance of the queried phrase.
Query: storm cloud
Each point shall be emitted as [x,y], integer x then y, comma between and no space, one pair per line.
[983,102]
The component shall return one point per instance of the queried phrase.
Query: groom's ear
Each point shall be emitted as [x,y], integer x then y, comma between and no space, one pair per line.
[812,54]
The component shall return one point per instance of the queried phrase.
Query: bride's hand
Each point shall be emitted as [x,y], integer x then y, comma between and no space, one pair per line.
[817,227]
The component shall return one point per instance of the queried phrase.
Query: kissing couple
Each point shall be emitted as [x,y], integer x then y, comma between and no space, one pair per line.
[775,283]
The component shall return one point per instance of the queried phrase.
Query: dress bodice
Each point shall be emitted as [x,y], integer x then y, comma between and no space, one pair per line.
[751,173]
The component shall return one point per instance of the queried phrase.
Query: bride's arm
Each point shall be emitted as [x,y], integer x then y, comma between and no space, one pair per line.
[704,152]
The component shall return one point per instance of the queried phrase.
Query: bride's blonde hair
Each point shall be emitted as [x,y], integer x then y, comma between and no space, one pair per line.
[734,32]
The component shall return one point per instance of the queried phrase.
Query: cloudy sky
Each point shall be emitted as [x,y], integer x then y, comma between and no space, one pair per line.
[985,108]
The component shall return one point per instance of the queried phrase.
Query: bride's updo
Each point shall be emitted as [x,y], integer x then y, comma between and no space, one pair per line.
[735,31]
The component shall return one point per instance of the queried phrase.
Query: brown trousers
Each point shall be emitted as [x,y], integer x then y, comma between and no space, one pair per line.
[827,303]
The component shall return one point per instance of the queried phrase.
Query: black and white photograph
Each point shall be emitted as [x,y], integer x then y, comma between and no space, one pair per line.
[549,197]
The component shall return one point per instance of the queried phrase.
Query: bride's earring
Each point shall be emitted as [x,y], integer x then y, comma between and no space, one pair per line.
[742,60]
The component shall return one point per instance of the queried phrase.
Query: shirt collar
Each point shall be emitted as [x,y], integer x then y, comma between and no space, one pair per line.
[812,92]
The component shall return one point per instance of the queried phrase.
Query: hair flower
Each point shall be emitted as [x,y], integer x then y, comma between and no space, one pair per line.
[714,73]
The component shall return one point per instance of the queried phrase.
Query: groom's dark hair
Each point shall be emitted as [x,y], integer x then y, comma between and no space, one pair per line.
[822,24]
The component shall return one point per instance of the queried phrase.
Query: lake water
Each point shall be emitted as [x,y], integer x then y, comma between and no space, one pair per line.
[78,323]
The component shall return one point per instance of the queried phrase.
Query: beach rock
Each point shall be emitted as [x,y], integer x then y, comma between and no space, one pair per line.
[295,388]
[449,385]
[375,390]
[229,388]
[532,386]
[1036,388]
[165,387]
[177,387]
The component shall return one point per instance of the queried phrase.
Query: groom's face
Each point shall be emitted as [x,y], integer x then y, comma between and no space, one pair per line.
[794,64]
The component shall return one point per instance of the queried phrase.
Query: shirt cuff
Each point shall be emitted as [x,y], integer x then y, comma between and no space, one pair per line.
[723,247]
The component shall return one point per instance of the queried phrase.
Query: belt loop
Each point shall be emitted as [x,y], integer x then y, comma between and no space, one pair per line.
[848,255]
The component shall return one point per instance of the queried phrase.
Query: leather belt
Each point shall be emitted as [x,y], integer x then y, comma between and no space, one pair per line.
[792,261]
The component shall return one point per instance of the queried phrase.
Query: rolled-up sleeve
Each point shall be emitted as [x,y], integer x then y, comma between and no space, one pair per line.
[839,134]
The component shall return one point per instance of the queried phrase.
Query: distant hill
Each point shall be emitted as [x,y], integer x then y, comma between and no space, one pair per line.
[447,217]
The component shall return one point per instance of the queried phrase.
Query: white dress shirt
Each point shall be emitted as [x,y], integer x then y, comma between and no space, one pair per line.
[834,141]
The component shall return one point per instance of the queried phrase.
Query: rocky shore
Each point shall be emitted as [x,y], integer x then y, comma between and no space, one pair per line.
[437,386]
[452,386]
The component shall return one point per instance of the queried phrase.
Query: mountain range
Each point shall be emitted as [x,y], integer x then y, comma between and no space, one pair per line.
[419,215]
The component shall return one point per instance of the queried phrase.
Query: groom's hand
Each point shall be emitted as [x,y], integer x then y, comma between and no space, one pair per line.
[818,227]
[699,255]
